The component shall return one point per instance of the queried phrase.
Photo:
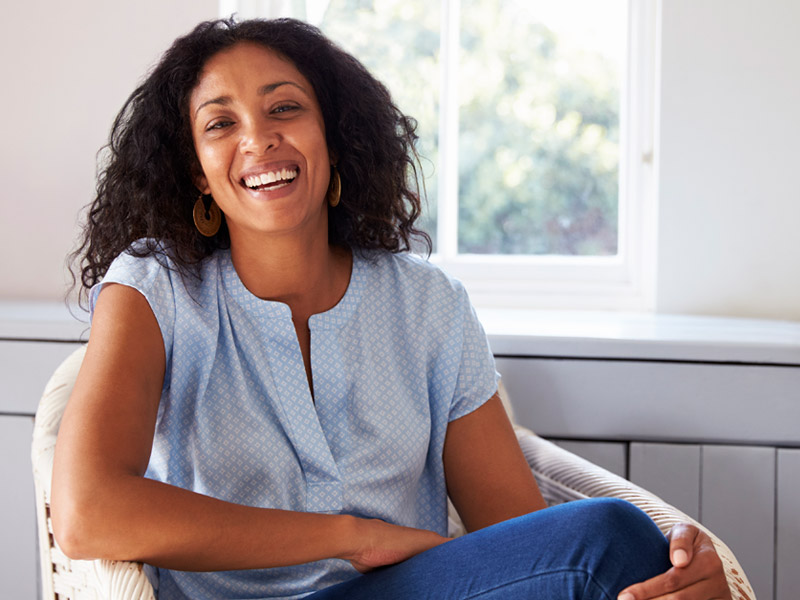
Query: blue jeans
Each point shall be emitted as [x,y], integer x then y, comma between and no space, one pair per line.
[588,549]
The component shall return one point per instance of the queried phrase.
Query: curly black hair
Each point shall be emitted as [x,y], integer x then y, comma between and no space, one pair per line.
[146,189]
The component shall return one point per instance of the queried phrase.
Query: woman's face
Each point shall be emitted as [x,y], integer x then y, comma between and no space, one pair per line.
[260,138]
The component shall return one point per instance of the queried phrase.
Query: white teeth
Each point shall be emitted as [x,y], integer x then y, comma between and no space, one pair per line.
[254,181]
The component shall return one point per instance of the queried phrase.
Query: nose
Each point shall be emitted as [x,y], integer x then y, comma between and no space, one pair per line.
[258,138]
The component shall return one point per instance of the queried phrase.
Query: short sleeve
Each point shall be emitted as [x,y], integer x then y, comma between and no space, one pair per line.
[477,378]
[151,279]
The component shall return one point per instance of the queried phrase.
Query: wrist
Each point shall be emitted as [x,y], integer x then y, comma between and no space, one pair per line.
[350,536]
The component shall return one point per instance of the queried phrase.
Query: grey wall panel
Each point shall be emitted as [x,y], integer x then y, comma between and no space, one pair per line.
[18,561]
[667,402]
[670,471]
[25,368]
[612,456]
[738,505]
[787,580]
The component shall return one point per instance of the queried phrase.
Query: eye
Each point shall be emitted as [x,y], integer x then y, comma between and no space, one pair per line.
[285,108]
[220,124]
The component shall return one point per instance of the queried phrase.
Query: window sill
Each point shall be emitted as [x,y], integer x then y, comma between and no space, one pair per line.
[640,336]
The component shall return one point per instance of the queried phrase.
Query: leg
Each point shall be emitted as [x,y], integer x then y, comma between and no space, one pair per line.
[588,550]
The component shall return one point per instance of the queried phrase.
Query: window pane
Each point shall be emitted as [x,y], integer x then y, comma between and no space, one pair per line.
[398,41]
[539,87]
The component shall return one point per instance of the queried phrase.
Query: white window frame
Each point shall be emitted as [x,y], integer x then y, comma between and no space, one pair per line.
[622,282]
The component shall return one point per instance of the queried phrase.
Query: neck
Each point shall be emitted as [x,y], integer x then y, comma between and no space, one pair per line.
[307,274]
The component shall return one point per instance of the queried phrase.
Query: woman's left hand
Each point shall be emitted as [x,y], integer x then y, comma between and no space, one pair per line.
[696,573]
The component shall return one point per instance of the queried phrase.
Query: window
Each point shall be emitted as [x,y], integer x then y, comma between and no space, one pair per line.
[535,126]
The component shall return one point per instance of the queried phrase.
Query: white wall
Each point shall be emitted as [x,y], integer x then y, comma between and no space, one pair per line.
[729,205]
[729,158]
[67,67]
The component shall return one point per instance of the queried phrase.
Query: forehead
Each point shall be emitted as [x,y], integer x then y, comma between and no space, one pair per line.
[244,67]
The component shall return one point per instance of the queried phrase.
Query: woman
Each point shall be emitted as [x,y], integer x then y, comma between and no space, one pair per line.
[276,397]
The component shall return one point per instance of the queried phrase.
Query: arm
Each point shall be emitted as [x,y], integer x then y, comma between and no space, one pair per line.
[487,476]
[489,481]
[103,506]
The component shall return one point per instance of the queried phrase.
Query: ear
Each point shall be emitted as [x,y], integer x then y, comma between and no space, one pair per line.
[201,183]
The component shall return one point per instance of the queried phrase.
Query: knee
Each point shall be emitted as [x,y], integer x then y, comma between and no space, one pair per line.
[612,518]
[628,535]
[616,515]
[610,541]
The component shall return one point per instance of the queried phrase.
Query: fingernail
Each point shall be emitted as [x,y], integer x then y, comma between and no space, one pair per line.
[626,596]
[680,558]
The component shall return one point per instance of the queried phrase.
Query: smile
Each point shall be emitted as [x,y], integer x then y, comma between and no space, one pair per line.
[271,180]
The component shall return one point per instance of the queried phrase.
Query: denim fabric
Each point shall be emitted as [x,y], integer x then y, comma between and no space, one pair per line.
[588,549]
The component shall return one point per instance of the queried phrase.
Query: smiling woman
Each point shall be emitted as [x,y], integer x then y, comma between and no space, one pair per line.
[284,405]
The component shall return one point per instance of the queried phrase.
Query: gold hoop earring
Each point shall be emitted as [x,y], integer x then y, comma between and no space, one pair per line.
[207,220]
[334,188]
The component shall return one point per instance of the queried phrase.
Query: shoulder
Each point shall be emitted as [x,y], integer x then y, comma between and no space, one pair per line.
[149,267]
[412,272]
[142,260]
[414,287]
[145,266]
[148,258]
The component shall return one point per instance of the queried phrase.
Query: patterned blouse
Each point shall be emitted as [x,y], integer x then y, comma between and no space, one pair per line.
[399,357]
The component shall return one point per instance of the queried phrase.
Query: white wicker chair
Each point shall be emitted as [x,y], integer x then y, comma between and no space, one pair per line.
[562,477]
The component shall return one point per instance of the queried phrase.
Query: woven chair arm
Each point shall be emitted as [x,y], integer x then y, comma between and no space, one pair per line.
[63,577]
[100,579]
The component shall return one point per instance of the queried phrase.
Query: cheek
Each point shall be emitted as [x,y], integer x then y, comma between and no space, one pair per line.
[206,155]
[213,162]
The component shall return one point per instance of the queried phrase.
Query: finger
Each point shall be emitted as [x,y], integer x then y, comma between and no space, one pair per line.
[671,586]
[682,539]
[705,571]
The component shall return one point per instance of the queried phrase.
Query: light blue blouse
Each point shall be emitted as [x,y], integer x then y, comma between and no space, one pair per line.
[400,356]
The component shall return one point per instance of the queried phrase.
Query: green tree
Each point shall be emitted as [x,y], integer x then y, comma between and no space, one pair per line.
[538,152]
[539,120]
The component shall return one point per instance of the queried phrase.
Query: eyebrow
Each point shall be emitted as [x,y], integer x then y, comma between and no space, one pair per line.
[262,91]
[268,89]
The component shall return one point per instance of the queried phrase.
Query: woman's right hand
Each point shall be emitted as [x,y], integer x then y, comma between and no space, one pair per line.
[381,544]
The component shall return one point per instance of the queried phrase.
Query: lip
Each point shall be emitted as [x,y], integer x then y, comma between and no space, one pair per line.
[267,168]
